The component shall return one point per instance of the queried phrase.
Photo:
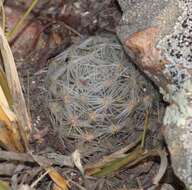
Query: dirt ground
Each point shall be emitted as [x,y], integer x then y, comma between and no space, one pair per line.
[54,26]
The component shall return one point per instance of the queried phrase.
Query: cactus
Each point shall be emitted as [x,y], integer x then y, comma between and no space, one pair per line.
[93,89]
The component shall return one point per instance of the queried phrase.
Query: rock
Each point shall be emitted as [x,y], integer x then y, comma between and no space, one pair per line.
[157,37]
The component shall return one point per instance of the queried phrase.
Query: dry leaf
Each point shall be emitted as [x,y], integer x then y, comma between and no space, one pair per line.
[19,105]
[91,169]
[59,180]
[10,136]
[6,139]
[76,157]
[3,99]
[6,113]
[5,87]
[107,167]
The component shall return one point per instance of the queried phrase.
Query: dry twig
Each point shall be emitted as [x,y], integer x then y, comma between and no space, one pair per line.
[24,157]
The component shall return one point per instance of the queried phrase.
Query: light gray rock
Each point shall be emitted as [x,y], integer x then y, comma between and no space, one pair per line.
[157,37]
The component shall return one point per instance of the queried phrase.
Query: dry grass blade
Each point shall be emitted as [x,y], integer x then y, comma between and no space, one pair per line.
[5,87]
[9,136]
[146,126]
[4,106]
[20,22]
[19,106]
[114,165]
[90,169]
[58,179]
[8,140]
[2,14]
[128,160]
[7,169]
[163,167]
[38,180]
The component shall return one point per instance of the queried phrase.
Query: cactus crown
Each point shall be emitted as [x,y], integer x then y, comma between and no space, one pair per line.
[93,90]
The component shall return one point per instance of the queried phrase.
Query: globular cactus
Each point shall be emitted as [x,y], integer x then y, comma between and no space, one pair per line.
[94,90]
